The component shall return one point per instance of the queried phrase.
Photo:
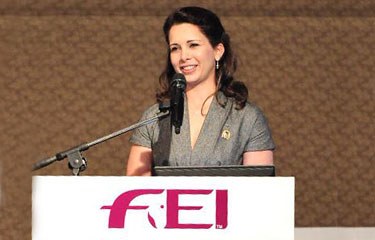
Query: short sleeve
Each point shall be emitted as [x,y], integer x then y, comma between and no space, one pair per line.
[143,136]
[260,137]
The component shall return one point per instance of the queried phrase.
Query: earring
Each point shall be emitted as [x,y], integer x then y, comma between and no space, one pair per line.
[217,65]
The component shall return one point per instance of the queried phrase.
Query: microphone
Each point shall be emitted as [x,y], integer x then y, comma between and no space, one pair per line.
[177,88]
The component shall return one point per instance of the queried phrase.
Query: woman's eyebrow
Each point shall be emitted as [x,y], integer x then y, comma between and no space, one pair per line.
[188,41]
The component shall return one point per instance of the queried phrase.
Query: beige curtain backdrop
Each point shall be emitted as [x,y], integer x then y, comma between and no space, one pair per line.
[73,71]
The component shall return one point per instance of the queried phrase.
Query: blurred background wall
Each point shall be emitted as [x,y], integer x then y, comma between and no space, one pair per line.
[73,71]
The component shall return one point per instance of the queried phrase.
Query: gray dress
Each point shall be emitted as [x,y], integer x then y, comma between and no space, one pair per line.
[225,135]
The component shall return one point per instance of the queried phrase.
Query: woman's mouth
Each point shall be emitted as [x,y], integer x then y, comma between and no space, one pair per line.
[188,69]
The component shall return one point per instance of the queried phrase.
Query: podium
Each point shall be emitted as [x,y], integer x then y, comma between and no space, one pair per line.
[162,208]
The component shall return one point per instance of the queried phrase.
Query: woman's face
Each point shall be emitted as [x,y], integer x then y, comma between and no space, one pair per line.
[192,54]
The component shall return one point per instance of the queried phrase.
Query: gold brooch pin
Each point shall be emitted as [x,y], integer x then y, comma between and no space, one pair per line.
[225,134]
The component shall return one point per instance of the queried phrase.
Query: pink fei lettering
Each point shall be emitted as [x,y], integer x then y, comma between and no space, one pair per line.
[122,204]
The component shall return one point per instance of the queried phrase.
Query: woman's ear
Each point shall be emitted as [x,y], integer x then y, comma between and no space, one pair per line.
[219,51]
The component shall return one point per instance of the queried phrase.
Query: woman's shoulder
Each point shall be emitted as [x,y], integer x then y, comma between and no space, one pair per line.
[249,114]
[252,109]
[151,111]
[249,109]
[253,114]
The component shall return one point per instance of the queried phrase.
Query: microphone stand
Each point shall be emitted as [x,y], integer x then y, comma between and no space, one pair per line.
[77,163]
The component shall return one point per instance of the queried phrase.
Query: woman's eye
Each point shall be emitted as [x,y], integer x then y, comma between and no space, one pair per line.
[173,49]
[194,45]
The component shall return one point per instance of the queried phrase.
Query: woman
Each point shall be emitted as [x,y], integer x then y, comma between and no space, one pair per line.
[219,126]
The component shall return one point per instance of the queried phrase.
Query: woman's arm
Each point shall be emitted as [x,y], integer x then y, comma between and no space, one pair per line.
[139,161]
[258,158]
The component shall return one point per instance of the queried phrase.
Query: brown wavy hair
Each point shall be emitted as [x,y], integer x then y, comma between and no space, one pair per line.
[211,27]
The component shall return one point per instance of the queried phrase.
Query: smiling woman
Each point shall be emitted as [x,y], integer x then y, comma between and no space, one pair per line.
[192,55]
[220,126]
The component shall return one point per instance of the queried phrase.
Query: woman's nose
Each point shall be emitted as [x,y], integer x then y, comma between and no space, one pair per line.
[185,54]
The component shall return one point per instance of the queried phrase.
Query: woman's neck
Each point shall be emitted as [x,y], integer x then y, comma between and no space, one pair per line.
[200,97]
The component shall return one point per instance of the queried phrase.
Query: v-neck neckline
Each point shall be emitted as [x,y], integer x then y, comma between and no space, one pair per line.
[183,154]
[202,130]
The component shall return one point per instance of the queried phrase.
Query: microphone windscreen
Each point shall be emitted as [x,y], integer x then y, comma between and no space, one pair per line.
[179,80]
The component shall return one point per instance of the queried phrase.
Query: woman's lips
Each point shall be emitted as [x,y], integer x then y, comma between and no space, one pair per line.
[188,69]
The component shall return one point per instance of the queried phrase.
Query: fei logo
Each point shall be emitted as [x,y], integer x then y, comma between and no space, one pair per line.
[122,204]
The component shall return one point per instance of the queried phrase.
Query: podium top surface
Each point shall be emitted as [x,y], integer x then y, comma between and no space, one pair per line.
[231,170]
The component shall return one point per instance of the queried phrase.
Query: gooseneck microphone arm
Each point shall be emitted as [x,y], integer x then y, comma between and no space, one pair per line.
[78,163]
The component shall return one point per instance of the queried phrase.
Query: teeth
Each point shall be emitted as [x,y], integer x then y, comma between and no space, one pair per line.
[188,67]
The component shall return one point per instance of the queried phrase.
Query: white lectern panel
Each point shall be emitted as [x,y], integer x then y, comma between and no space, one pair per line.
[163,208]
